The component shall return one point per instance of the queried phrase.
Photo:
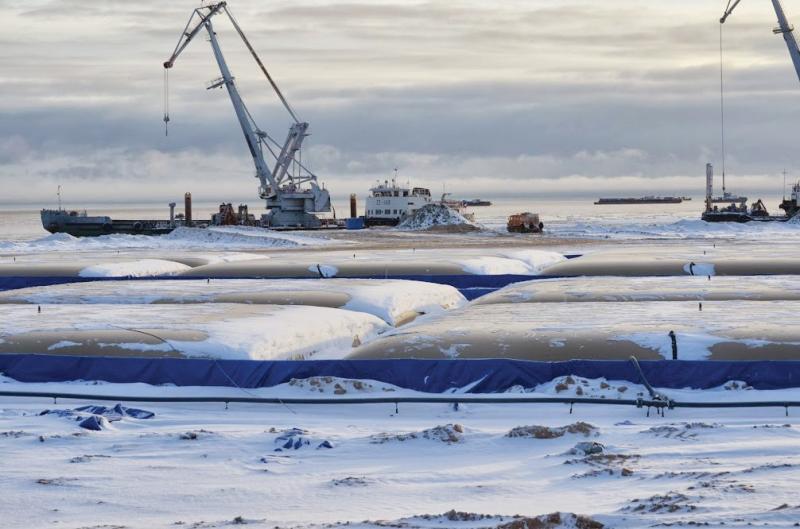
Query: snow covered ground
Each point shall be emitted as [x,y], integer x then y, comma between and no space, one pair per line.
[214,238]
[292,466]
[430,465]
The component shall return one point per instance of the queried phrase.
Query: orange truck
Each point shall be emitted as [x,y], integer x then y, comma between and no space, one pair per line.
[525,223]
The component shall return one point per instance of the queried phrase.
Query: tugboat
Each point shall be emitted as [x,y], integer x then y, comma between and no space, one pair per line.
[389,203]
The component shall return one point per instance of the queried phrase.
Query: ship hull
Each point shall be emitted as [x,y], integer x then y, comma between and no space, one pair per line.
[722,216]
[380,221]
[665,200]
[57,221]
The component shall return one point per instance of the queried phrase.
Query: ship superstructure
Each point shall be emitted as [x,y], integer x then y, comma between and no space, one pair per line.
[389,203]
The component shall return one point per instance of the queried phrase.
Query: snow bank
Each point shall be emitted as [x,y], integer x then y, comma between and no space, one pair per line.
[392,301]
[433,215]
[141,268]
[524,262]
[212,238]
[669,227]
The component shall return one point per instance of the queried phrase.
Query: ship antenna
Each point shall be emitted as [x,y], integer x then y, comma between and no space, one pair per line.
[784,184]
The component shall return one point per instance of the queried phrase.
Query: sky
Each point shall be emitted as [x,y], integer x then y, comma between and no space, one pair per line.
[495,99]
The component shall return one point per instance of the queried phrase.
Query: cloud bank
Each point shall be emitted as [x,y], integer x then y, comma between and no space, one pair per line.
[493,98]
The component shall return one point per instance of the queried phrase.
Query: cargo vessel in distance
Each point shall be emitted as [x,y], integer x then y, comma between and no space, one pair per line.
[641,200]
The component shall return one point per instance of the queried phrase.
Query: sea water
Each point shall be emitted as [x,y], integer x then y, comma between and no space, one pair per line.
[563,218]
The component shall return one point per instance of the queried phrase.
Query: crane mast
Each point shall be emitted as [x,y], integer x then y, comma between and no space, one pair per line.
[784,28]
[288,202]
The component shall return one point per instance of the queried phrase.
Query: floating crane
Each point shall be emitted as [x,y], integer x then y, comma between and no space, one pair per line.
[292,197]
[734,213]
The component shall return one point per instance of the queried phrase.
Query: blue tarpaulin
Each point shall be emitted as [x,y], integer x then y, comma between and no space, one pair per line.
[435,376]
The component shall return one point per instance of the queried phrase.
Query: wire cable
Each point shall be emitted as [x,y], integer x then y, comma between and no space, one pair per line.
[722,107]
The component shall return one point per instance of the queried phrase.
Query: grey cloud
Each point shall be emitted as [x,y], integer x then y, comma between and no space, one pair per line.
[469,90]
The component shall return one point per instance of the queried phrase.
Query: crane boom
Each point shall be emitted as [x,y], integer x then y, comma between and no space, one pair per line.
[787,30]
[287,202]
[784,28]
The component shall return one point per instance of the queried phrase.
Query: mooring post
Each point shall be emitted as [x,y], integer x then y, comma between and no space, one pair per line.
[674,344]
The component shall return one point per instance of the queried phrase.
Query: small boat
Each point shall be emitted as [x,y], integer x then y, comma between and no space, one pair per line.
[476,202]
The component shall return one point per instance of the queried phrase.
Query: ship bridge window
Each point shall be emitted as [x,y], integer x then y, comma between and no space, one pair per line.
[405,193]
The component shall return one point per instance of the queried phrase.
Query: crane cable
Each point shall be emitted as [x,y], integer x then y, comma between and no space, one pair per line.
[166,102]
[261,65]
[722,106]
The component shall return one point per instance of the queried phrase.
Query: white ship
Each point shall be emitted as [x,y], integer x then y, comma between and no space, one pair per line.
[389,203]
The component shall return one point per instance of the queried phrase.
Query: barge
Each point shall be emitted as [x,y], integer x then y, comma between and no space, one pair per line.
[738,211]
[80,224]
[641,200]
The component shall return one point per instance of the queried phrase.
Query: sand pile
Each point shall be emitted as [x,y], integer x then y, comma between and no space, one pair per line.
[437,217]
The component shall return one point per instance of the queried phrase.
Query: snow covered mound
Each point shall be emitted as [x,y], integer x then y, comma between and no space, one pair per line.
[141,268]
[437,216]
[340,386]
[522,262]
[448,434]
[547,432]
[212,238]
[241,236]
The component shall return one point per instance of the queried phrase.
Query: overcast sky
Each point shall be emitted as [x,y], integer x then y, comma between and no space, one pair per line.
[492,98]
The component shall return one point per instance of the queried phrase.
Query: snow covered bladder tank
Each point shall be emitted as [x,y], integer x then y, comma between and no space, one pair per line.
[389,203]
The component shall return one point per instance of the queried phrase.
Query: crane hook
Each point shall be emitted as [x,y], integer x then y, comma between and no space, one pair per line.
[166,102]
